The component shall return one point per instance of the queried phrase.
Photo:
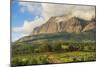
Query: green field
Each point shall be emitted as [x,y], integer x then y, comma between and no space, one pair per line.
[51,53]
[54,48]
[52,57]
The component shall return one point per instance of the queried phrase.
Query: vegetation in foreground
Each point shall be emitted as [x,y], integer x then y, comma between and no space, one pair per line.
[50,58]
[53,52]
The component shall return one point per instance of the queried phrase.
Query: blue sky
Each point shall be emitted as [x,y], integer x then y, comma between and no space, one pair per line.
[19,17]
[28,15]
[20,14]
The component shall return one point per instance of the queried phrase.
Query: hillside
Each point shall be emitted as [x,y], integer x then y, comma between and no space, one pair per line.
[63,28]
[57,41]
[65,24]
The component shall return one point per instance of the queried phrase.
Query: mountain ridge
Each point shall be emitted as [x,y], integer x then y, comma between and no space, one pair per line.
[65,24]
[63,29]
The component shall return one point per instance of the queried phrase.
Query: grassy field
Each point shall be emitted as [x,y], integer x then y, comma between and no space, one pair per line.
[53,49]
[53,57]
[52,53]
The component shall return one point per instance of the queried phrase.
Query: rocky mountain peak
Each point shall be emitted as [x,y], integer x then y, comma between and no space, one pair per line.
[64,24]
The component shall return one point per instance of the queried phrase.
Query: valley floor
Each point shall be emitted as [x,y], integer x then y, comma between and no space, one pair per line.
[53,58]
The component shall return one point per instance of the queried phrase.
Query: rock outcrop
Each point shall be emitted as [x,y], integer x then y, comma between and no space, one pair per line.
[65,24]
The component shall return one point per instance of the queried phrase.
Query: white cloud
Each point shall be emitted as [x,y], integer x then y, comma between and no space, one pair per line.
[36,10]
[84,12]
[84,15]
[55,9]
[47,10]
[33,8]
[27,6]
[28,26]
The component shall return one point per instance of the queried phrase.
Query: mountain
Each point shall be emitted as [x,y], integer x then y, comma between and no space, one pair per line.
[62,28]
[64,24]
[89,26]
[61,36]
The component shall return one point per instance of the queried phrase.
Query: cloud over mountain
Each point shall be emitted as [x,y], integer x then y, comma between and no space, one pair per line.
[43,11]
[28,26]
[84,12]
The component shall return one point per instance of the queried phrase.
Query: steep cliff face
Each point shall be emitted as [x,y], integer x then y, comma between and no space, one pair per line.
[64,24]
[63,28]
[89,26]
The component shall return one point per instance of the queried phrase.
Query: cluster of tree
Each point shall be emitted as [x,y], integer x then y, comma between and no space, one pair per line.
[25,48]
